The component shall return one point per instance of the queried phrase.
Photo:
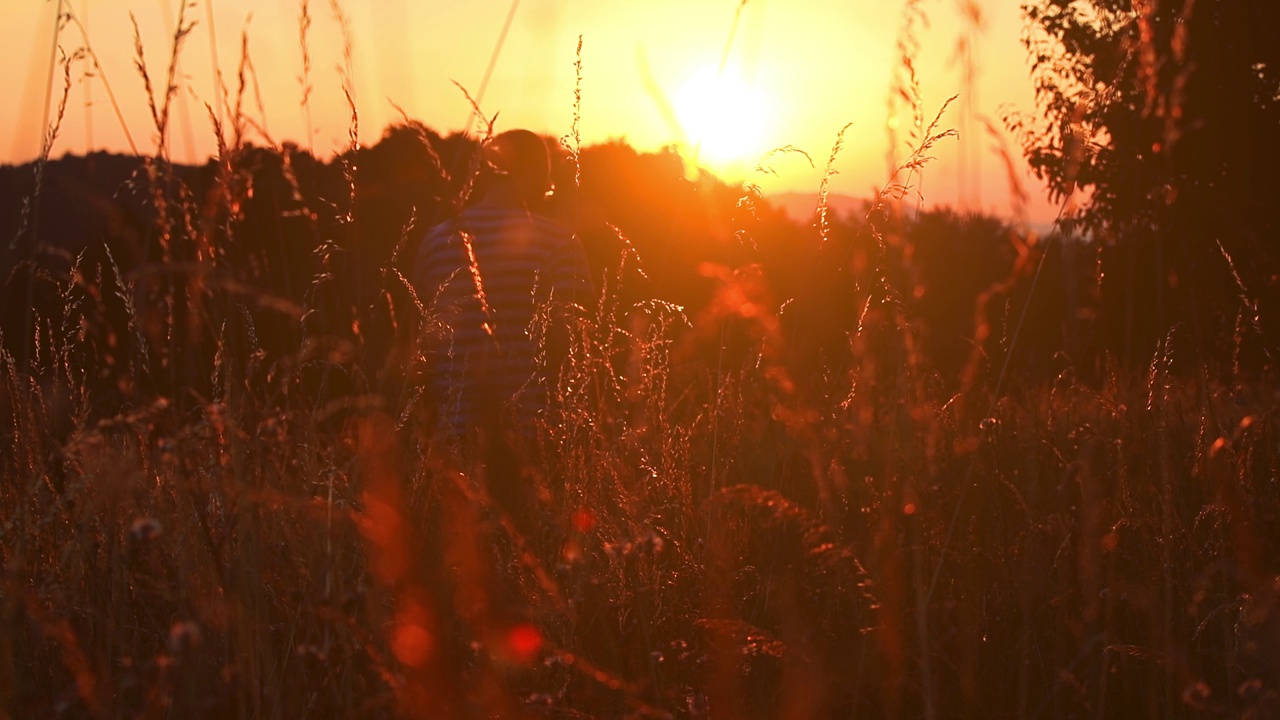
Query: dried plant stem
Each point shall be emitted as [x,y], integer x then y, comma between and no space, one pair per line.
[573,141]
[488,70]
[304,28]
[219,91]
[824,188]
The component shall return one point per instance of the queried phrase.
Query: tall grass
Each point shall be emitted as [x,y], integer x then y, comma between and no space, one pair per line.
[700,526]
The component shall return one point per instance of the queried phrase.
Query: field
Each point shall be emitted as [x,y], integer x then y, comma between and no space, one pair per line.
[776,478]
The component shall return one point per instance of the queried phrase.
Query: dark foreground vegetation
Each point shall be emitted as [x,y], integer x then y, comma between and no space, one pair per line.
[891,465]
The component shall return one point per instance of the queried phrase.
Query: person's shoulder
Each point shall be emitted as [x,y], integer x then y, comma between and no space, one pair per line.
[444,228]
[472,221]
[480,218]
[552,226]
[507,216]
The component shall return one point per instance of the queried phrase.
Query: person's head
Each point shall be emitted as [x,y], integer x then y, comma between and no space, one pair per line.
[519,160]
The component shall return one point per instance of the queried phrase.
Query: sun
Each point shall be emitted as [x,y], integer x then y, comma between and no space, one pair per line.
[723,118]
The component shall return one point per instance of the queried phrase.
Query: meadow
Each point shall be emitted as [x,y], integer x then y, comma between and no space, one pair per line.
[776,478]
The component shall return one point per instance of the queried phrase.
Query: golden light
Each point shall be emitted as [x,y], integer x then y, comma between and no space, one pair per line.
[723,118]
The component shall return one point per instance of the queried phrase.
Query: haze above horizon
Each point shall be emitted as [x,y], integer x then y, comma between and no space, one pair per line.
[723,81]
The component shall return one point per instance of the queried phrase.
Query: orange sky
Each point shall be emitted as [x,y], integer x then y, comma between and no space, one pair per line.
[815,64]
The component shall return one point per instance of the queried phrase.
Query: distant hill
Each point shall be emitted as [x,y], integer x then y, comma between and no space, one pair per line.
[801,207]
[273,253]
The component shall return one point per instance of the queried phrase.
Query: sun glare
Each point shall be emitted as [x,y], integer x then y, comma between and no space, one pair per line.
[723,117]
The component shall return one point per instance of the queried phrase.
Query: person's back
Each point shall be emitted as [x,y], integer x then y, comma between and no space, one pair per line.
[486,273]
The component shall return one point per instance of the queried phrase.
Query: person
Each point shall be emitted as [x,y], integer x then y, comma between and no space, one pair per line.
[487,272]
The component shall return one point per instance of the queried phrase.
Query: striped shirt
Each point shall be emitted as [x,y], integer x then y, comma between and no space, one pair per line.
[487,363]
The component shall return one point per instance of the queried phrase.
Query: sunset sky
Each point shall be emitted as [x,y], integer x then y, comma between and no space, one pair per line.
[796,72]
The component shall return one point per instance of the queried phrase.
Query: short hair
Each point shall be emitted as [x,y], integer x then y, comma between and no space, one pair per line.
[523,157]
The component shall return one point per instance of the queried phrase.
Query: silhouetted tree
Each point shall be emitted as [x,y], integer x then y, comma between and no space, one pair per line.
[1163,114]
